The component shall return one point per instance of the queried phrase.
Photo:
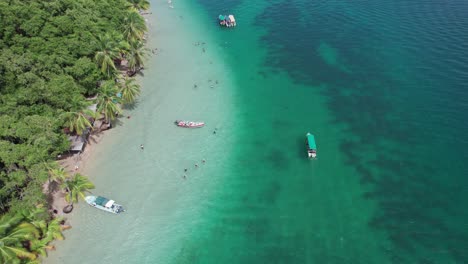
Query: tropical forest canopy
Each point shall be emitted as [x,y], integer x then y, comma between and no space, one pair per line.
[54,54]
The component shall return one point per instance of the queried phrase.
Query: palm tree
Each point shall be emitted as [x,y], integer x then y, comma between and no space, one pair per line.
[78,121]
[107,52]
[48,231]
[12,233]
[35,217]
[136,55]
[53,231]
[76,187]
[107,102]
[139,4]
[134,26]
[40,247]
[8,221]
[58,174]
[78,102]
[129,90]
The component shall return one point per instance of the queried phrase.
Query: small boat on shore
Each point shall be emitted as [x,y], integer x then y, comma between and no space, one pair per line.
[104,204]
[189,124]
[227,21]
[311,146]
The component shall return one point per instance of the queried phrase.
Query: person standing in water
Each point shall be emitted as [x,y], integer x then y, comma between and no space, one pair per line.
[142,147]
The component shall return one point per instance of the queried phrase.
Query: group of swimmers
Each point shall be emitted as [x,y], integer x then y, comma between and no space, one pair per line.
[196,166]
[185,170]
[211,86]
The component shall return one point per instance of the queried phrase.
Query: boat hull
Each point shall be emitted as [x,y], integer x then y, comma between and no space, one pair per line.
[189,124]
[311,146]
[227,20]
[113,208]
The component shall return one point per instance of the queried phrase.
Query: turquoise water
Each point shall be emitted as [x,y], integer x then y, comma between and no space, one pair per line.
[381,84]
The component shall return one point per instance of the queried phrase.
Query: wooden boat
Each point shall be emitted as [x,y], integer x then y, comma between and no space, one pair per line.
[311,146]
[104,204]
[227,21]
[189,124]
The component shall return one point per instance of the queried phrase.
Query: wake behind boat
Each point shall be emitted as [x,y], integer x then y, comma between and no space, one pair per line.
[189,124]
[104,204]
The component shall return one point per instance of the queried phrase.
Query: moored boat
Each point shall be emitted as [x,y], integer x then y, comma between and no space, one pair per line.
[311,146]
[227,21]
[104,204]
[189,124]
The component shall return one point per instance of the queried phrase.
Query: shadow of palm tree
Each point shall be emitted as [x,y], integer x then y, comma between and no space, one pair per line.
[131,106]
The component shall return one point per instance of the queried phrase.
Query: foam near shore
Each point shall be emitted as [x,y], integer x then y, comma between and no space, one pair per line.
[185,78]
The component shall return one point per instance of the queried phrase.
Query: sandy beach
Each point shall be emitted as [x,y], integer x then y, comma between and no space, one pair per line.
[74,163]
[166,184]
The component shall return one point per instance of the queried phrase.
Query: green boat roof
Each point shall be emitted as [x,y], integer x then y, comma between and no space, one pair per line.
[221,17]
[101,200]
[311,141]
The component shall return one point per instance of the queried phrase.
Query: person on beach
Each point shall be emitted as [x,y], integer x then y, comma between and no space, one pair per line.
[142,147]
[203,160]
[214,132]
[185,177]
[185,170]
[196,165]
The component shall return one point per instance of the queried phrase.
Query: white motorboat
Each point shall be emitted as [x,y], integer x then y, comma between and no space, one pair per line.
[104,204]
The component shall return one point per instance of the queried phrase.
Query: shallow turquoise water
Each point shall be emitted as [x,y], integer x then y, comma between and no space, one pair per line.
[382,85]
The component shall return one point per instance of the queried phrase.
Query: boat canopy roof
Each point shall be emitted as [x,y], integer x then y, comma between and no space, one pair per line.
[231,17]
[110,203]
[102,201]
[221,17]
[311,141]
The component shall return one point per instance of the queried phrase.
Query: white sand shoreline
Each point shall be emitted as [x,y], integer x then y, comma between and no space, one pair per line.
[76,162]
[161,205]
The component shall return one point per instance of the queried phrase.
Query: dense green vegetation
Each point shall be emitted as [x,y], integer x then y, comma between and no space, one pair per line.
[54,55]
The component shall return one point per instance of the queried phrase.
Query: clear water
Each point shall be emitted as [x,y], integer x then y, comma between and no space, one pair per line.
[382,85]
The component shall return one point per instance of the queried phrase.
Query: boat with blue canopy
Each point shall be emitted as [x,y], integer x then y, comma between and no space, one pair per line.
[311,146]
[227,21]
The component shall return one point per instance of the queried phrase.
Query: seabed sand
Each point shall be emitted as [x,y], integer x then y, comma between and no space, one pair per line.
[162,206]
